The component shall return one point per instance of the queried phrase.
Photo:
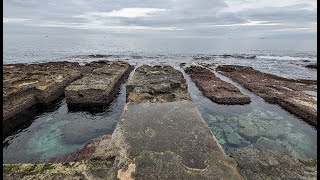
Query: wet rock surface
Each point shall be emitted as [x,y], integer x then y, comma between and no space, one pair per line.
[273,164]
[98,87]
[92,149]
[157,84]
[168,141]
[288,93]
[214,88]
[27,85]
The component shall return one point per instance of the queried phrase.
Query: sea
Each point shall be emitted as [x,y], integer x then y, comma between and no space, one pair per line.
[58,131]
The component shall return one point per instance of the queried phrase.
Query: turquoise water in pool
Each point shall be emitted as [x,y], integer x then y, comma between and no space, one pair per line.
[257,125]
[60,131]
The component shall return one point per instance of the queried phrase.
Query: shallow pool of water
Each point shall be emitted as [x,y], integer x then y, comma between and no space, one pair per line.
[60,132]
[258,124]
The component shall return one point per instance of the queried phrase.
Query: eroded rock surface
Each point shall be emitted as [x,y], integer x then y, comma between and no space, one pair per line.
[214,88]
[89,169]
[157,84]
[299,97]
[98,87]
[273,164]
[26,85]
[168,141]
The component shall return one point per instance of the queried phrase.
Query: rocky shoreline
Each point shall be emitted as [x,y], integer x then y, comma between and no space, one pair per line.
[214,88]
[161,133]
[97,88]
[34,86]
[298,97]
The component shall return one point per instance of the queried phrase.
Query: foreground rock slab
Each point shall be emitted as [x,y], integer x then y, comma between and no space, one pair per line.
[168,141]
[214,88]
[157,84]
[98,87]
[273,164]
[299,97]
[162,135]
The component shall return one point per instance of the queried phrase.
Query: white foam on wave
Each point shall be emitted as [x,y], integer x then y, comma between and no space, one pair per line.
[286,58]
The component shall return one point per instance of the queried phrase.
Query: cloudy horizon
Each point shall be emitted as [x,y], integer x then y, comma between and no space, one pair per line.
[166,18]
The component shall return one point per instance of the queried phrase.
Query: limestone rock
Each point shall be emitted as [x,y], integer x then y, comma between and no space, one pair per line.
[214,88]
[287,93]
[273,164]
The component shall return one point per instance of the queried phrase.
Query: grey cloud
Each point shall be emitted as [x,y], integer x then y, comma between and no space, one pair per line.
[196,17]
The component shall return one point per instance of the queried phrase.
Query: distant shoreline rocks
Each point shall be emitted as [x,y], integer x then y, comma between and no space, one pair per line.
[311,66]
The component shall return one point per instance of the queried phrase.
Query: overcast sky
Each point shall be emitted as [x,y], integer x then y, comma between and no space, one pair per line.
[165,18]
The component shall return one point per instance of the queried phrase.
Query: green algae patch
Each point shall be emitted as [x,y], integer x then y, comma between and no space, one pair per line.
[47,167]
[70,164]
[169,97]
[309,162]
[89,169]
[229,164]
[32,168]
[9,168]
[44,168]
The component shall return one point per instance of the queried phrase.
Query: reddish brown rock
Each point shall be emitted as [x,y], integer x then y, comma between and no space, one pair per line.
[214,88]
[299,97]
[93,149]
[85,153]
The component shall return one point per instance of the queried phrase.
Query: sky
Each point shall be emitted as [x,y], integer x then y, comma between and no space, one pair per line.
[165,18]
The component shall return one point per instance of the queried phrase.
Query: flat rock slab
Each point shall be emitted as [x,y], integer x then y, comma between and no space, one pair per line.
[168,141]
[29,84]
[273,164]
[214,88]
[99,87]
[296,96]
[157,84]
